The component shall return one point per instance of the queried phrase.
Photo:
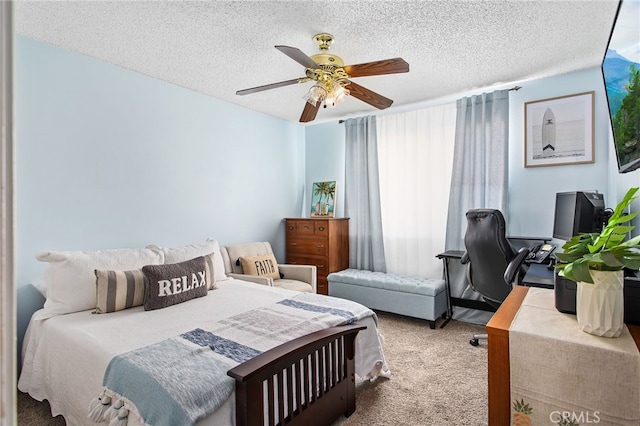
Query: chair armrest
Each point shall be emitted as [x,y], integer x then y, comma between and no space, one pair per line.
[514,267]
[253,278]
[304,273]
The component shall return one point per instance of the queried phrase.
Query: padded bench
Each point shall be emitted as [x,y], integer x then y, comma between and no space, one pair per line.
[416,297]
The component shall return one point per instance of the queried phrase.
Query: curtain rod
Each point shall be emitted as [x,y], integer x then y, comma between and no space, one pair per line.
[516,88]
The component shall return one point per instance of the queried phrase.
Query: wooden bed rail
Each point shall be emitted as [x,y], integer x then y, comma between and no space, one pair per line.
[309,380]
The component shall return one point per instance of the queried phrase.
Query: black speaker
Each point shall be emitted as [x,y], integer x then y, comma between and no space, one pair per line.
[632,300]
[565,294]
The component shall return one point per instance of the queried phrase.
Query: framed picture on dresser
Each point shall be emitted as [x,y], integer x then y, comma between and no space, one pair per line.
[323,199]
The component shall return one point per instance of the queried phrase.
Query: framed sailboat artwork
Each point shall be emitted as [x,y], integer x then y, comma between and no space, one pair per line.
[559,131]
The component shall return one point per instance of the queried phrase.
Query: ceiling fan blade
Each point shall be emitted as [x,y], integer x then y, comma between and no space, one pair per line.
[271,86]
[368,96]
[298,56]
[309,112]
[385,66]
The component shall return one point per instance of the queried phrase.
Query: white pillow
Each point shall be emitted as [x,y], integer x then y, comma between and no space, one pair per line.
[41,286]
[189,251]
[70,276]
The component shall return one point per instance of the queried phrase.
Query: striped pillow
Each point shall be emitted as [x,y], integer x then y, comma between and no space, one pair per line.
[209,264]
[118,290]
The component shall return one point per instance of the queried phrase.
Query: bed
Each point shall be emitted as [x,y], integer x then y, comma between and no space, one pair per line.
[307,355]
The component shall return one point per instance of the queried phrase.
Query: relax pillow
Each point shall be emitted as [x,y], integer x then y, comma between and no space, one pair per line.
[182,253]
[264,266]
[118,290]
[174,283]
[70,277]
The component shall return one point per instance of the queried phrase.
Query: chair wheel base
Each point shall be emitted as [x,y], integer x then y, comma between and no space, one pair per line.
[473,342]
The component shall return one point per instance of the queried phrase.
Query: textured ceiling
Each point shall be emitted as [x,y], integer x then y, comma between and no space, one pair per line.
[218,47]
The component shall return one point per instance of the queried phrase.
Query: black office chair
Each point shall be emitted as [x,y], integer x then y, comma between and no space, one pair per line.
[492,264]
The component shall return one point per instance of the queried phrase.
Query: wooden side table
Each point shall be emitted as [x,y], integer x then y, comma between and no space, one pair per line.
[499,374]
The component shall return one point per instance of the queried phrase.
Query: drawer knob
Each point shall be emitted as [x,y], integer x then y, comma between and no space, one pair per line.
[321,228]
[293,244]
[291,228]
[319,246]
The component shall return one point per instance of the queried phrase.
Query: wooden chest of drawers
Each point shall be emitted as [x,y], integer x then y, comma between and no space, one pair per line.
[320,242]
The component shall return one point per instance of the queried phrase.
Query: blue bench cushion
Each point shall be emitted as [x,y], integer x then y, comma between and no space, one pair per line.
[405,284]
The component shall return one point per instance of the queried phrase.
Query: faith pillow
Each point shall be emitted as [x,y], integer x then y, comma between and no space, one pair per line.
[264,266]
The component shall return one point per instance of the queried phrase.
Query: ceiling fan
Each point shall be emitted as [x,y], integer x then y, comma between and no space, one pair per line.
[332,78]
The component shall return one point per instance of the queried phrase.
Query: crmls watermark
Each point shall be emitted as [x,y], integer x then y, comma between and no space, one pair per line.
[582,418]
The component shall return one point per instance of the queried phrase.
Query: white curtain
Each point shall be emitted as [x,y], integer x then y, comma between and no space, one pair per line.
[362,195]
[415,156]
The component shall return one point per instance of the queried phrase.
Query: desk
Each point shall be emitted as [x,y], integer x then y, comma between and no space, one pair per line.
[538,276]
[499,374]
[457,301]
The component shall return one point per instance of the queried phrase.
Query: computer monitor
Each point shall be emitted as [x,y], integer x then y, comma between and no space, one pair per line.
[577,212]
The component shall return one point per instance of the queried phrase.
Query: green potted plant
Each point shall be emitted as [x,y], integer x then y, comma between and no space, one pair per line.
[596,263]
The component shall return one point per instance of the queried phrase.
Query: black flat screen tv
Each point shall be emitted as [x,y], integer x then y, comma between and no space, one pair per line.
[578,212]
[621,74]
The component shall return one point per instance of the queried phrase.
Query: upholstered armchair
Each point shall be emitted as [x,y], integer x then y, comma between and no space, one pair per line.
[261,267]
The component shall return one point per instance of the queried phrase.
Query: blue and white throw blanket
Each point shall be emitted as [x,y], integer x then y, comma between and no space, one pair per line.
[183,379]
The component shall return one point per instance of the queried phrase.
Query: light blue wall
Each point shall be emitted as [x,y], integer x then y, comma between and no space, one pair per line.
[531,190]
[325,162]
[109,158]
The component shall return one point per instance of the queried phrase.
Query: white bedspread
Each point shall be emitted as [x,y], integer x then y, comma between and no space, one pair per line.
[65,357]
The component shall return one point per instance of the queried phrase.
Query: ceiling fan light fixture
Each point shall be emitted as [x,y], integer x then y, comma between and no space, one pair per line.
[317,93]
[336,95]
[341,93]
[332,77]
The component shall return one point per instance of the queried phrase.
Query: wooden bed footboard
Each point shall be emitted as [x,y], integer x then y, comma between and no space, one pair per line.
[309,380]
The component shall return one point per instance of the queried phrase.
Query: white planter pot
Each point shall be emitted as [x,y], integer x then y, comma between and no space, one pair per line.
[600,306]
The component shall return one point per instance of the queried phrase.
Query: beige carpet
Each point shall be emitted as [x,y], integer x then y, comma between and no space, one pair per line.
[438,379]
